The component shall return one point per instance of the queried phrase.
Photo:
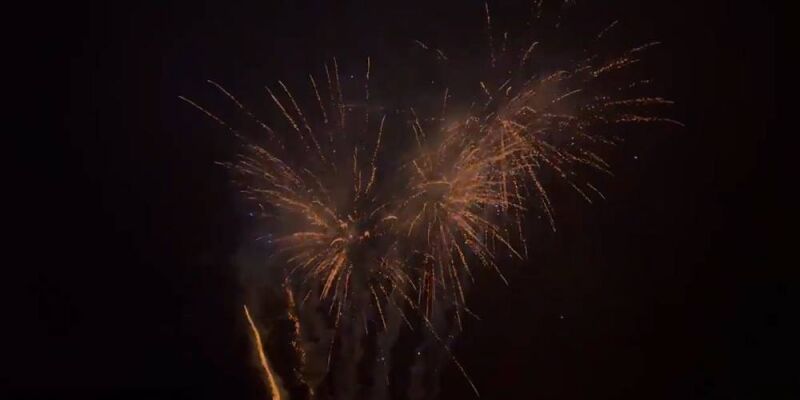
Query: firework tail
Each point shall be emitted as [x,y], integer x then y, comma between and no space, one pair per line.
[311,339]
[274,384]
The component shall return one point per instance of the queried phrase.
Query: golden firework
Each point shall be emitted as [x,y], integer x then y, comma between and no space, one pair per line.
[370,237]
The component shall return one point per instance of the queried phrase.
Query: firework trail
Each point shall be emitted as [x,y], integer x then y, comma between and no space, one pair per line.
[310,338]
[367,245]
[273,381]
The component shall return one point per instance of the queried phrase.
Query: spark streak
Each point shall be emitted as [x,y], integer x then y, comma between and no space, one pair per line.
[273,381]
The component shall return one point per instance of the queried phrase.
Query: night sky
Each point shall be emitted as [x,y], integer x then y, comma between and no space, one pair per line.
[663,291]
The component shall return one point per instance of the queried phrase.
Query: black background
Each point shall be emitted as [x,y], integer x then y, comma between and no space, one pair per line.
[662,291]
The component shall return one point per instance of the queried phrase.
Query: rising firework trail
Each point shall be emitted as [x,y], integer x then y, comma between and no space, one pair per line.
[273,381]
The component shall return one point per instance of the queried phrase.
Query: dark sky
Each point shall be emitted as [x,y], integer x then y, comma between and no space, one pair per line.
[662,291]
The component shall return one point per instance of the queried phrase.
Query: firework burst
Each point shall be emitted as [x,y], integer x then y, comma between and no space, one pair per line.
[455,206]
[369,242]
[564,114]
[319,192]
